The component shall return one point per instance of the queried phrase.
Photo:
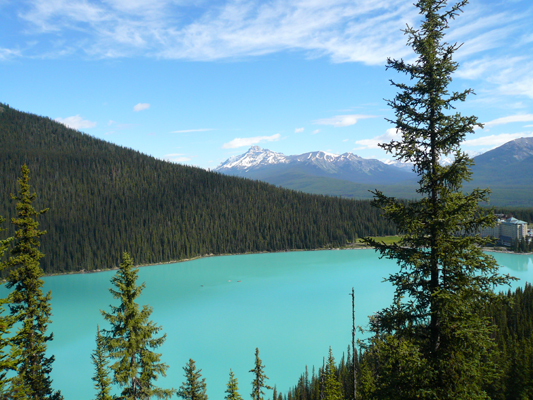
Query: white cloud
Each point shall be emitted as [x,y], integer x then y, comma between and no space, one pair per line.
[76,122]
[193,130]
[342,29]
[176,158]
[298,130]
[245,142]
[510,119]
[495,140]
[141,106]
[390,134]
[341,120]
[315,131]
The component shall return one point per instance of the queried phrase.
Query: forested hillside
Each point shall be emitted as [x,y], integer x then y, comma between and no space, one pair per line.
[105,199]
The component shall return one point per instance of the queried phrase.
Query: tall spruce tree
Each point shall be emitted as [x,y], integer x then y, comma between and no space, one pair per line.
[259,381]
[434,324]
[102,381]
[132,337]
[29,307]
[194,387]
[232,391]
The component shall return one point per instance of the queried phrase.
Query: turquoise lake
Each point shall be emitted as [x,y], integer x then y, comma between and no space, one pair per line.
[217,310]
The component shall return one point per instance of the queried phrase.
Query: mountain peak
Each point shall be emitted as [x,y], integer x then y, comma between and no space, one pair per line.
[258,162]
[254,157]
[255,149]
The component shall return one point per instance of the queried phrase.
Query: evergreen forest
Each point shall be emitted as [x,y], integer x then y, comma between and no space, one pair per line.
[105,199]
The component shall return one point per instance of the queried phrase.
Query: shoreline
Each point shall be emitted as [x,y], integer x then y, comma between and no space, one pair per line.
[354,247]
[95,271]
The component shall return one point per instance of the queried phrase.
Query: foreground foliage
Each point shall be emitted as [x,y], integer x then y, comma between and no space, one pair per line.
[131,339]
[102,381]
[260,378]
[232,391]
[194,387]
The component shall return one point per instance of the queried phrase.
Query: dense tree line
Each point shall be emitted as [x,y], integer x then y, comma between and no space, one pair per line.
[521,213]
[105,199]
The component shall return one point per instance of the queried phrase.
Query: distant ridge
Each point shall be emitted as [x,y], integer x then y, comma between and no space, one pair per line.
[509,164]
[264,164]
[506,170]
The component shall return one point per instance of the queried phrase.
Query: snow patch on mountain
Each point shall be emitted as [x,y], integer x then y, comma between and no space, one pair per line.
[257,157]
[254,157]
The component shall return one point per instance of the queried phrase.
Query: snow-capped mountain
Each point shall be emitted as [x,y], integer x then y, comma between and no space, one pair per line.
[253,158]
[264,164]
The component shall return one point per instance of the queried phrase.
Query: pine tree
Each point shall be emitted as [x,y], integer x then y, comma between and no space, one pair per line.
[232,392]
[194,387]
[444,278]
[102,381]
[332,386]
[29,307]
[131,338]
[259,381]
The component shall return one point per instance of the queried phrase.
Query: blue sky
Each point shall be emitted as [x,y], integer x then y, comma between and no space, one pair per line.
[196,82]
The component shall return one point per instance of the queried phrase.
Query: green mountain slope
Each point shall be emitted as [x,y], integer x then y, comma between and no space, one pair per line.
[508,165]
[300,179]
[105,199]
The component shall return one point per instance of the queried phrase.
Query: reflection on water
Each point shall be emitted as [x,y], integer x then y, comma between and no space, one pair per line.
[515,262]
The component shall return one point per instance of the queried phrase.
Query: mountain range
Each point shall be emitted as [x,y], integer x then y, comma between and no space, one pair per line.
[507,170]
[258,163]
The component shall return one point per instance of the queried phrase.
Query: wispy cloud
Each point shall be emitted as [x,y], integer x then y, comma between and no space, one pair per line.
[76,122]
[342,29]
[7,54]
[495,140]
[390,134]
[298,130]
[315,131]
[245,142]
[509,119]
[141,106]
[341,120]
[192,130]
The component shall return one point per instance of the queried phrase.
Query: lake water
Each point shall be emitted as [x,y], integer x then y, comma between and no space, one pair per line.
[217,310]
